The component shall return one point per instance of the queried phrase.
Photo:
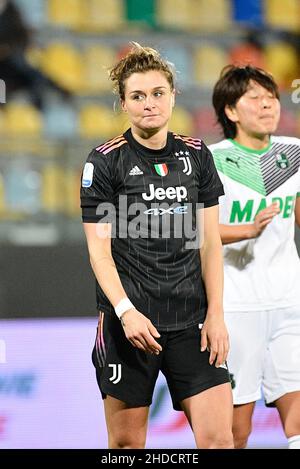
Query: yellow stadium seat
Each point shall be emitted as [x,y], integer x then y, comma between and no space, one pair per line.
[63,63]
[194,14]
[66,13]
[103,15]
[2,197]
[2,123]
[208,63]
[174,14]
[181,121]
[96,121]
[97,60]
[34,56]
[283,14]
[212,15]
[282,61]
[72,192]
[53,180]
[22,120]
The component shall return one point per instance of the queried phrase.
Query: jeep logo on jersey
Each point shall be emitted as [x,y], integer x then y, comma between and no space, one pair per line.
[282,161]
[160,193]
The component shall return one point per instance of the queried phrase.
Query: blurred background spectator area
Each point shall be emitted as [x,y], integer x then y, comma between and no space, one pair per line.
[52,118]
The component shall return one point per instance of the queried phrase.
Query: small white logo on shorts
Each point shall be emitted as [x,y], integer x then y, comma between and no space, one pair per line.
[87,177]
[117,373]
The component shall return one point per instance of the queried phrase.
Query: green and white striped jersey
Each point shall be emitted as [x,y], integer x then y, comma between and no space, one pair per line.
[261,273]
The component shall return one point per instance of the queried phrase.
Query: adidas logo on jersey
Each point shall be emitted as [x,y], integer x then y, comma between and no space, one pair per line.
[135,171]
[179,193]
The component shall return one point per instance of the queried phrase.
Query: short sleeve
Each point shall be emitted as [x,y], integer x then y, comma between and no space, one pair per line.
[96,193]
[211,187]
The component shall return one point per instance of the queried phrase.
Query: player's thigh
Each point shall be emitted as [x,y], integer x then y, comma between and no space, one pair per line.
[282,366]
[288,407]
[210,415]
[126,425]
[247,339]
[242,420]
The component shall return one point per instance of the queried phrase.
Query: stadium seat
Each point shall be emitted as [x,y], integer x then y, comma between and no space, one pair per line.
[62,62]
[282,61]
[213,15]
[96,121]
[208,62]
[72,192]
[174,14]
[245,54]
[33,12]
[53,181]
[22,119]
[66,13]
[121,122]
[194,15]
[2,123]
[103,15]
[60,120]
[181,57]
[97,60]
[23,186]
[141,13]
[283,14]
[2,197]
[248,13]
[34,56]
[181,121]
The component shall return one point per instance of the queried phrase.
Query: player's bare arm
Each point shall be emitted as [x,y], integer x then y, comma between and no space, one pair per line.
[214,334]
[138,329]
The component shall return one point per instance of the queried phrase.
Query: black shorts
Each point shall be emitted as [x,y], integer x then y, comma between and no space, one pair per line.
[129,374]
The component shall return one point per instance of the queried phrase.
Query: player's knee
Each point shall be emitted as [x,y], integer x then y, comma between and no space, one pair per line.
[123,440]
[240,437]
[220,440]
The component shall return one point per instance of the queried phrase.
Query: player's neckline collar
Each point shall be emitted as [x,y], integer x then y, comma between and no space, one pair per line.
[251,150]
[148,152]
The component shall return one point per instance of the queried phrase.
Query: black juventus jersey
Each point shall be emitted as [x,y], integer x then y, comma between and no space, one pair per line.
[151,198]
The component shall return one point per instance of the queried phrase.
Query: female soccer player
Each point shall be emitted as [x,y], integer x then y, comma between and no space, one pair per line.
[261,178]
[155,291]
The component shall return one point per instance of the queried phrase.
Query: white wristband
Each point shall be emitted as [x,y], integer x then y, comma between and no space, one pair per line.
[123,306]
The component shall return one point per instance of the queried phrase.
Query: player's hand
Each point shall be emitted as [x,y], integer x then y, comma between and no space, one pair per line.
[214,337]
[140,331]
[263,218]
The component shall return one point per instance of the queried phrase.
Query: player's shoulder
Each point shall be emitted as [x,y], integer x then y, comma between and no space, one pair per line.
[186,141]
[285,140]
[108,152]
[110,147]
